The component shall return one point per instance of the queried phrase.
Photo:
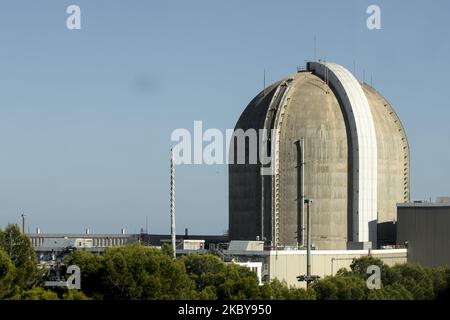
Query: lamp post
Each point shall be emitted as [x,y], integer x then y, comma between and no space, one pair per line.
[308,202]
[308,277]
[172,204]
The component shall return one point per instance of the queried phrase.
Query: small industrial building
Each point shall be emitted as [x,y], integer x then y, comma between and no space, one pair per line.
[425,229]
[286,265]
[51,245]
[54,240]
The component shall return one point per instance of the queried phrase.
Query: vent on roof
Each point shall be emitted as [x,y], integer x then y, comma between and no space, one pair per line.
[443,200]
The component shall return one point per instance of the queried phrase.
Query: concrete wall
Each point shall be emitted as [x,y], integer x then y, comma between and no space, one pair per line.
[393,164]
[314,114]
[287,265]
[426,229]
[245,198]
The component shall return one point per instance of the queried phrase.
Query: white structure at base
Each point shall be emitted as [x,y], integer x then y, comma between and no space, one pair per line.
[256,267]
[244,245]
[62,243]
[286,265]
[191,244]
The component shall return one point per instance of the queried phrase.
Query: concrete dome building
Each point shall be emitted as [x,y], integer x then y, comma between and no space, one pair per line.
[355,165]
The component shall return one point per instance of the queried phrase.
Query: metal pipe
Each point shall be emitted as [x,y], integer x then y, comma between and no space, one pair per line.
[302,195]
[23,223]
[262,206]
[308,240]
[300,144]
[172,203]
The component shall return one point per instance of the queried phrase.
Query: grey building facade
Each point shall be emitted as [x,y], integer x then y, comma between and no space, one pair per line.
[425,228]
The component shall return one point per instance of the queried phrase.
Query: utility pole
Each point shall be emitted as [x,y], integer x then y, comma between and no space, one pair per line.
[172,203]
[23,223]
[302,196]
[300,144]
[308,241]
[308,277]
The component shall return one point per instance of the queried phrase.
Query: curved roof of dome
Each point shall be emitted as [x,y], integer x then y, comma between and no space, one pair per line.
[388,149]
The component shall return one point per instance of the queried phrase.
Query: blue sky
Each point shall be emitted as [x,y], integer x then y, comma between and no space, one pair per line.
[86,115]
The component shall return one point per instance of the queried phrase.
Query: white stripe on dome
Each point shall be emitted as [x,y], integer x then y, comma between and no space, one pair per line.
[363,143]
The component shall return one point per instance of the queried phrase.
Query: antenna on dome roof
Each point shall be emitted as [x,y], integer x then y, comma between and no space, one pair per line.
[264,81]
[315,48]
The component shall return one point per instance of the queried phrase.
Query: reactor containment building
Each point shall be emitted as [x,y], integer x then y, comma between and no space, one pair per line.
[336,141]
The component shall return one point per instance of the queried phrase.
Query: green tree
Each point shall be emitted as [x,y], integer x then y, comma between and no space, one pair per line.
[444,293]
[91,268]
[207,272]
[74,295]
[390,292]
[440,278]
[215,279]
[240,283]
[133,272]
[281,291]
[7,275]
[416,280]
[20,250]
[167,250]
[341,287]
[138,272]
[266,292]
[400,282]
[36,293]
[359,266]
